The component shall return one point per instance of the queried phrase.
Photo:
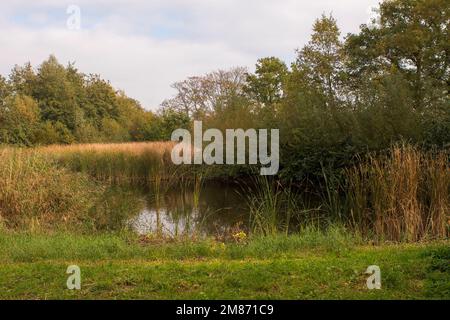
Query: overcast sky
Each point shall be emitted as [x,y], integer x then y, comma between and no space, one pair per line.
[143,47]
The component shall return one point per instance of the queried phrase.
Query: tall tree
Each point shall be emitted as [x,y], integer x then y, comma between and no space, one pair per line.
[321,60]
[266,84]
[101,100]
[411,38]
[201,96]
[22,79]
[55,94]
[4,89]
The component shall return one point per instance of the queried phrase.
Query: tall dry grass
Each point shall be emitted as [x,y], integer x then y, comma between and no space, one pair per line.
[143,163]
[37,194]
[130,147]
[403,195]
[400,196]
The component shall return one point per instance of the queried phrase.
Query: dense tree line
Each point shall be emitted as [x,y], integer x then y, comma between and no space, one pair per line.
[58,104]
[342,97]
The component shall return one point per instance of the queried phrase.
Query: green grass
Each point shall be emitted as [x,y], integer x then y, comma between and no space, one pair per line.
[305,266]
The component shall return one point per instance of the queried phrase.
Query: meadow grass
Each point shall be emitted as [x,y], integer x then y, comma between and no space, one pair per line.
[303,266]
[127,147]
[26,246]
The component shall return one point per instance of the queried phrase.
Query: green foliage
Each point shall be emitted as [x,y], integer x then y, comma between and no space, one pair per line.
[57,104]
[168,121]
[4,89]
[386,84]
[341,98]
[411,37]
[101,100]
[266,85]
[320,61]
[19,116]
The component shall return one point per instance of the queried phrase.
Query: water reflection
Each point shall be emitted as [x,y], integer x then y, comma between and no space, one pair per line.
[220,207]
[163,221]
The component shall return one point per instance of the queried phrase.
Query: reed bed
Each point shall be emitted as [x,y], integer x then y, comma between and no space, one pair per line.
[400,196]
[276,208]
[143,163]
[36,194]
[130,147]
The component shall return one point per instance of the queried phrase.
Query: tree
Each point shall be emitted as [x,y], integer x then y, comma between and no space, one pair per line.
[191,98]
[411,38]
[19,116]
[133,117]
[5,89]
[266,84]
[170,120]
[55,94]
[265,89]
[113,131]
[22,79]
[198,97]
[321,60]
[101,100]
[53,133]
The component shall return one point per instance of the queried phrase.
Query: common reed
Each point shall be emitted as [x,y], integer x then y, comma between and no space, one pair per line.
[272,206]
[400,196]
[129,147]
[403,195]
[145,163]
[36,194]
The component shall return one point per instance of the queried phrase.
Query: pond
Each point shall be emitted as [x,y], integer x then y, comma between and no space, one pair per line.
[216,210]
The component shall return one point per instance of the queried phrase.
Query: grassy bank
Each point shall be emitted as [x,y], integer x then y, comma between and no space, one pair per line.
[294,267]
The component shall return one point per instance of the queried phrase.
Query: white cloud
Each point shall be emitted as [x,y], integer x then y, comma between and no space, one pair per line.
[119,39]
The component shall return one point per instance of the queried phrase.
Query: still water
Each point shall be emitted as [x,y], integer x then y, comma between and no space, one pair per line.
[218,209]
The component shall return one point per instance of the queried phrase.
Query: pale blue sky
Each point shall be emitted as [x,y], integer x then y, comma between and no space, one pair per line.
[144,46]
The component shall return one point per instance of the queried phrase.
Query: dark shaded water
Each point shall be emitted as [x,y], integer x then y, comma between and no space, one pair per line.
[218,209]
